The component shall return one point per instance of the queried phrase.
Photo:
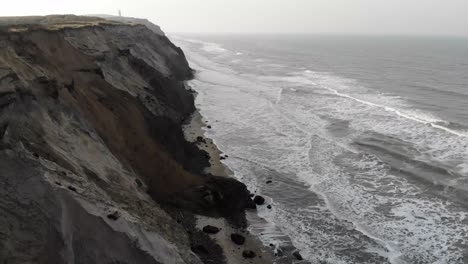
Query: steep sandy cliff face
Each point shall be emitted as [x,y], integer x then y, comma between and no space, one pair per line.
[91,145]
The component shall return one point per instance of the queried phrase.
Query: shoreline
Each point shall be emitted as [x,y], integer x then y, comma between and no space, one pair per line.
[194,131]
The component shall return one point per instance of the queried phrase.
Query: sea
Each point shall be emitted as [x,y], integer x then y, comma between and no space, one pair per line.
[364,139]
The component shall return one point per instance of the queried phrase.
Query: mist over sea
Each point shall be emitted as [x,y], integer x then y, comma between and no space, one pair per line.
[365,139]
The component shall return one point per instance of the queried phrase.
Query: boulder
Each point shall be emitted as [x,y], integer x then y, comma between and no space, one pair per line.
[211,229]
[259,200]
[269,206]
[248,254]
[114,216]
[297,255]
[269,181]
[201,139]
[238,239]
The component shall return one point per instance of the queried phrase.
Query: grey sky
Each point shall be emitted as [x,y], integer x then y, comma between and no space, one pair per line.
[448,17]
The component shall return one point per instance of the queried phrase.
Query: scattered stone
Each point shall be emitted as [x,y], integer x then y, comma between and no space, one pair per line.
[201,139]
[238,239]
[271,245]
[71,188]
[248,254]
[269,181]
[297,255]
[222,158]
[251,195]
[36,155]
[259,200]
[208,126]
[269,206]
[58,183]
[226,156]
[211,229]
[114,216]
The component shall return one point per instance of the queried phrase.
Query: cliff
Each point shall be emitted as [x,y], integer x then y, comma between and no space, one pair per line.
[94,166]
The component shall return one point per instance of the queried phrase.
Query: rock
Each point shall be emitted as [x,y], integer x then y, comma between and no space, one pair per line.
[201,139]
[251,195]
[211,229]
[238,239]
[297,255]
[222,158]
[269,206]
[259,200]
[269,181]
[71,188]
[208,126]
[248,254]
[114,216]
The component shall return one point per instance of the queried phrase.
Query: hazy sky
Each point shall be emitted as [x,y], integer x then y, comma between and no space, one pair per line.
[448,17]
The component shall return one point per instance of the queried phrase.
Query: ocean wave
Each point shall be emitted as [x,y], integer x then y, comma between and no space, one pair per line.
[338,85]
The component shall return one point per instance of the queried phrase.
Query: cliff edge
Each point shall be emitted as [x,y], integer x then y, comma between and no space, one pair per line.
[94,166]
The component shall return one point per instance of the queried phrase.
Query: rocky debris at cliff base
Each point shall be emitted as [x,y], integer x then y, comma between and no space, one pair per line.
[248,254]
[201,139]
[238,239]
[211,229]
[297,255]
[259,200]
[114,216]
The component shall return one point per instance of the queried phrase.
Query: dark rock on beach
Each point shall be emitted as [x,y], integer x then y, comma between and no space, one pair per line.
[259,200]
[248,254]
[114,216]
[201,139]
[297,255]
[210,229]
[238,239]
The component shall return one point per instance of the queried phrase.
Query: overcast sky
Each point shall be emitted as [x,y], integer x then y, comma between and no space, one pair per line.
[447,17]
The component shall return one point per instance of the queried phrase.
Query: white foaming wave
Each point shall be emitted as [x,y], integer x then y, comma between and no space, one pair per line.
[337,85]
[213,48]
[209,47]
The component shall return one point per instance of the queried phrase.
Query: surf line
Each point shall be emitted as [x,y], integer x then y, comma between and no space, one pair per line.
[399,113]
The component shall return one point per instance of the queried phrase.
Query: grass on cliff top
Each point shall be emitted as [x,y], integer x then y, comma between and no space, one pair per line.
[52,22]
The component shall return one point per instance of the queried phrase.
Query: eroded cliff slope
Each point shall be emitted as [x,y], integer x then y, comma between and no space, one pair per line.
[91,146]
